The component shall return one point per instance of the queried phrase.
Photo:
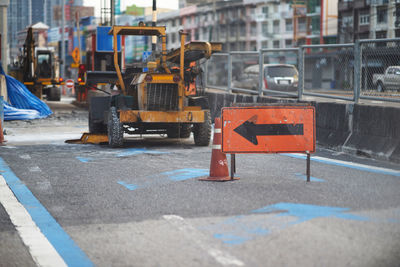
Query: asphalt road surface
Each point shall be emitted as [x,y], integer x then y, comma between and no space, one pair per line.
[143,204]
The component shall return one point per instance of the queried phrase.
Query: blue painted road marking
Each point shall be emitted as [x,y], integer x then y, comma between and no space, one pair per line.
[175,176]
[128,186]
[81,159]
[240,229]
[351,165]
[306,212]
[232,239]
[312,179]
[137,151]
[65,246]
[185,174]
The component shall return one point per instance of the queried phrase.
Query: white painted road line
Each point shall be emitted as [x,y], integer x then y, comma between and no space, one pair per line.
[43,253]
[34,169]
[25,156]
[197,237]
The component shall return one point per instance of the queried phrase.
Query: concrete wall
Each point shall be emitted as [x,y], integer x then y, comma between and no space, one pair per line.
[370,131]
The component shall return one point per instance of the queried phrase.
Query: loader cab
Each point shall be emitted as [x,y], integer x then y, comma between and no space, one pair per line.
[44,64]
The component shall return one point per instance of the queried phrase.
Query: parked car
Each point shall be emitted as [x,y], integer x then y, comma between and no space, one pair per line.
[277,77]
[389,80]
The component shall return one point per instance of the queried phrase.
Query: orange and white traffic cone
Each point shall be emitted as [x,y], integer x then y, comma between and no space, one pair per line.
[219,164]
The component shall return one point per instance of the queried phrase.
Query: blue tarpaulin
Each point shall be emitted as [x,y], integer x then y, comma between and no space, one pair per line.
[23,104]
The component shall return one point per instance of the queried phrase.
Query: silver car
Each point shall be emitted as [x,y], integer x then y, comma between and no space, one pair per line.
[277,77]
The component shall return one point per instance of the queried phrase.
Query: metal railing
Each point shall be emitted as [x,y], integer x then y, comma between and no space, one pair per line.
[340,71]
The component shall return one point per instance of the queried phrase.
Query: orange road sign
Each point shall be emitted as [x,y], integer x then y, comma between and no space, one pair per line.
[75,55]
[268,129]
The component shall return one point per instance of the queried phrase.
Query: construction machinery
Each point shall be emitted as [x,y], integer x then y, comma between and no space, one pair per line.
[158,98]
[38,69]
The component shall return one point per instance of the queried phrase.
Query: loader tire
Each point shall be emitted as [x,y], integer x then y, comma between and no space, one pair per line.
[96,127]
[114,129]
[202,131]
[186,129]
[179,131]
[54,94]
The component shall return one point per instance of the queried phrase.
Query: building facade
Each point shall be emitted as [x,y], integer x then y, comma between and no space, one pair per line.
[250,25]
[22,13]
[19,15]
[368,19]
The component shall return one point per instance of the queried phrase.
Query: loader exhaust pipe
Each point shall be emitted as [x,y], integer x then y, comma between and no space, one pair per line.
[154,22]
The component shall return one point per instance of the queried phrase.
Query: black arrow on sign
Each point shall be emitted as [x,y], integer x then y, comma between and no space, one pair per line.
[250,131]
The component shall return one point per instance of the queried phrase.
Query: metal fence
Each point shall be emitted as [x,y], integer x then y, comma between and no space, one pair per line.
[367,69]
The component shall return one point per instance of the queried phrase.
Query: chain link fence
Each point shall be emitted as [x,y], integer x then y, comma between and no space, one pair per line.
[245,72]
[380,68]
[217,71]
[367,69]
[328,70]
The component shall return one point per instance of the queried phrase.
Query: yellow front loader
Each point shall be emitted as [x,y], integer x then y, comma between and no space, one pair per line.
[161,100]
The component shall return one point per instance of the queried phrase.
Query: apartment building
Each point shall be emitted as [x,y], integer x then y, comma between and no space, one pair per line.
[254,24]
[368,19]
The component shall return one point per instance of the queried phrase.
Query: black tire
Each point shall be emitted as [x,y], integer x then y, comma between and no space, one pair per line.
[179,130]
[96,127]
[114,129]
[380,87]
[54,94]
[202,131]
[186,129]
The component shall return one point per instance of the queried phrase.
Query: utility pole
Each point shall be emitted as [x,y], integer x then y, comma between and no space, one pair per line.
[3,31]
[62,38]
[78,30]
[112,12]
[154,21]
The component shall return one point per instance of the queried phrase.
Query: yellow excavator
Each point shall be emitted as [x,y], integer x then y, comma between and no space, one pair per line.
[38,70]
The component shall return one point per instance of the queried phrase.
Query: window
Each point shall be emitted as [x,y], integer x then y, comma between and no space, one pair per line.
[289,25]
[288,43]
[265,11]
[276,26]
[302,26]
[210,16]
[276,44]
[232,30]
[347,21]
[173,23]
[253,46]
[381,14]
[222,31]
[253,29]
[241,12]
[381,35]
[264,44]
[173,38]
[205,33]
[315,25]
[243,29]
[364,19]
[265,29]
